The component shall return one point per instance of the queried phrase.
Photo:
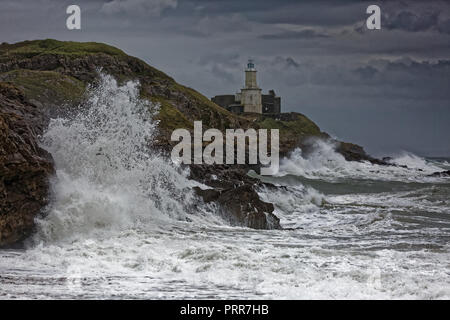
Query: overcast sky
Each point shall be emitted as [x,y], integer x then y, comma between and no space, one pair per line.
[387,89]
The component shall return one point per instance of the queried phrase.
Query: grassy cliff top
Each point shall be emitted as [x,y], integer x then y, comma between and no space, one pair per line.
[51,46]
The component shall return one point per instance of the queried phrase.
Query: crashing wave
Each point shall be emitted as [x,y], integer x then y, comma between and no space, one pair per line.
[325,163]
[108,176]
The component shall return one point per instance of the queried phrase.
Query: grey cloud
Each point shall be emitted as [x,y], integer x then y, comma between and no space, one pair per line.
[444,26]
[366,72]
[284,63]
[400,79]
[310,13]
[223,66]
[221,73]
[291,62]
[409,21]
[138,7]
[417,16]
[230,60]
[209,25]
[304,34]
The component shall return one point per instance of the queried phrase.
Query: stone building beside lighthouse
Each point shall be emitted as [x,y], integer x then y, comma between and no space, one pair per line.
[250,99]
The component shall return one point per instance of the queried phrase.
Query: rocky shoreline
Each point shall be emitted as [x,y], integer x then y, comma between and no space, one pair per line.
[41,79]
[25,168]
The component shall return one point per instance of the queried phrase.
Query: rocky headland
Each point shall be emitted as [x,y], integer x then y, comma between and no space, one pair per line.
[44,78]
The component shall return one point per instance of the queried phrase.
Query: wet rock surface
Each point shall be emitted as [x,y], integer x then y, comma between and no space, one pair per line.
[25,168]
[440,174]
[235,193]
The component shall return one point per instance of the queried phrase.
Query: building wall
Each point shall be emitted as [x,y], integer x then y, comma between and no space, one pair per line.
[277,105]
[224,100]
[271,103]
[248,102]
[251,100]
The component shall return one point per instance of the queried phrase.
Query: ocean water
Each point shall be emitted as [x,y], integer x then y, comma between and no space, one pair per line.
[123,222]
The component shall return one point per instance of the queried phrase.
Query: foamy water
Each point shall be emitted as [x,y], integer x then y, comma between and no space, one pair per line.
[325,163]
[123,222]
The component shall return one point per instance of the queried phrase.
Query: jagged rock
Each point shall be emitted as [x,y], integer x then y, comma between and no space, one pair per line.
[353,152]
[24,167]
[235,193]
[440,174]
[242,207]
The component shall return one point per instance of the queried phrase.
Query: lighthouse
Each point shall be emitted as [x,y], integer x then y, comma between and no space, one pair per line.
[251,98]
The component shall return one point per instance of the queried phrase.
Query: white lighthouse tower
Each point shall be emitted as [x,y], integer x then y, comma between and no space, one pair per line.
[251,94]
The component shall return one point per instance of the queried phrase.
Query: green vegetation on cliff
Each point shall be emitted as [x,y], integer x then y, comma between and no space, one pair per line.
[169,115]
[51,46]
[46,86]
[297,124]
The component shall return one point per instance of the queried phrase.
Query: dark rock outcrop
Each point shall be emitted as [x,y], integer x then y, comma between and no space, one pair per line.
[440,174]
[353,152]
[235,193]
[25,168]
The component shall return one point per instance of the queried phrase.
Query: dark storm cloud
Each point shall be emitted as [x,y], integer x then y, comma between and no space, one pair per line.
[222,66]
[291,63]
[409,21]
[424,79]
[317,12]
[400,79]
[366,73]
[304,34]
[230,60]
[444,26]
[282,64]
[138,7]
[417,22]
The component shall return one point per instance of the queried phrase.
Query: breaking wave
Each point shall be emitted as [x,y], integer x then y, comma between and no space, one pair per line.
[108,176]
[323,162]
